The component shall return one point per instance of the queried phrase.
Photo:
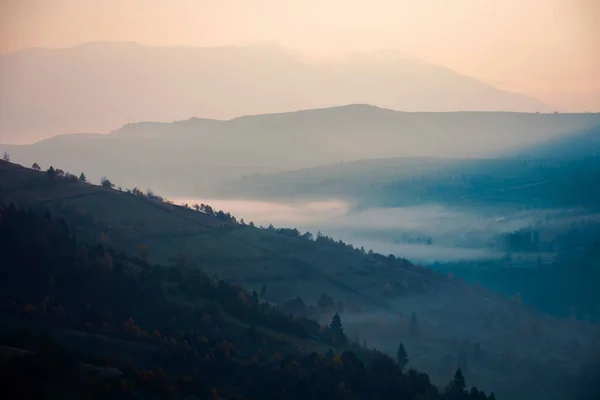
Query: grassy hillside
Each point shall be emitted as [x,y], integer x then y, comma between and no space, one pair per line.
[375,294]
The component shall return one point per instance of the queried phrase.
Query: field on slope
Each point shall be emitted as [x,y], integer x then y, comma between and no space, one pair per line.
[376,294]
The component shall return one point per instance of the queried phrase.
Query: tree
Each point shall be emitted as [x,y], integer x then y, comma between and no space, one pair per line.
[337,331]
[477,352]
[263,291]
[413,327]
[105,182]
[325,301]
[6,157]
[462,361]
[458,384]
[401,356]
[82,177]
[35,166]
[254,299]
[51,172]
[336,324]
[143,253]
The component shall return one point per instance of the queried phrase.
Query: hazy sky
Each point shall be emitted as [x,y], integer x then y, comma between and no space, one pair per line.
[546,48]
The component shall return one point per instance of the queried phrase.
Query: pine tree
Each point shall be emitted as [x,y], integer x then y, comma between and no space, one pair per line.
[463,362]
[252,334]
[459,383]
[401,356]
[82,177]
[254,299]
[337,331]
[51,172]
[413,327]
[336,325]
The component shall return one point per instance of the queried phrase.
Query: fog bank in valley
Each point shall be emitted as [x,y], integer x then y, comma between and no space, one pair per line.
[425,233]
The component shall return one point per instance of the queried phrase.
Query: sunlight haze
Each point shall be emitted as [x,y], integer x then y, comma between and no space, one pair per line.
[548,49]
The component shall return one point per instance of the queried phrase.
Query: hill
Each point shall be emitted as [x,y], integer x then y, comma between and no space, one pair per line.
[95,87]
[374,294]
[516,182]
[99,324]
[201,153]
[580,145]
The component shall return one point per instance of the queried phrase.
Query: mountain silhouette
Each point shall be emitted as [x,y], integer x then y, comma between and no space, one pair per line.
[96,87]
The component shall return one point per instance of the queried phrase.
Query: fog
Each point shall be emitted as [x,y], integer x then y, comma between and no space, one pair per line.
[424,233]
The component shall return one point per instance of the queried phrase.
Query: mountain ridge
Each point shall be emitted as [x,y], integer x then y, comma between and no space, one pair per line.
[95,87]
[207,151]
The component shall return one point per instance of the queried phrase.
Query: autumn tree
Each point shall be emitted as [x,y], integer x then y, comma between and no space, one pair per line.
[143,253]
[401,356]
[35,166]
[107,261]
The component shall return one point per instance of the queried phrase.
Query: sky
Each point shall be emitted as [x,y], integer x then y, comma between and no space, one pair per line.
[549,49]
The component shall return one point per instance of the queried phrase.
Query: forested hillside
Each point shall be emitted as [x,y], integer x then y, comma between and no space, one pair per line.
[116,238]
[168,331]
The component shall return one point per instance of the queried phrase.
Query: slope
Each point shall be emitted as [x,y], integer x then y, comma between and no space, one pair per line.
[105,325]
[375,294]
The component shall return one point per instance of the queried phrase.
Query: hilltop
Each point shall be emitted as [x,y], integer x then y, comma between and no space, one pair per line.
[374,294]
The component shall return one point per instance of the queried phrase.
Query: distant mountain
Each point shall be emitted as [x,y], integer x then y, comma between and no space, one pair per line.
[98,86]
[185,158]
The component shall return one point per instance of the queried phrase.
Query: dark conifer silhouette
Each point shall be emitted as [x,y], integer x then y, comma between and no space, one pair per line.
[413,326]
[401,356]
